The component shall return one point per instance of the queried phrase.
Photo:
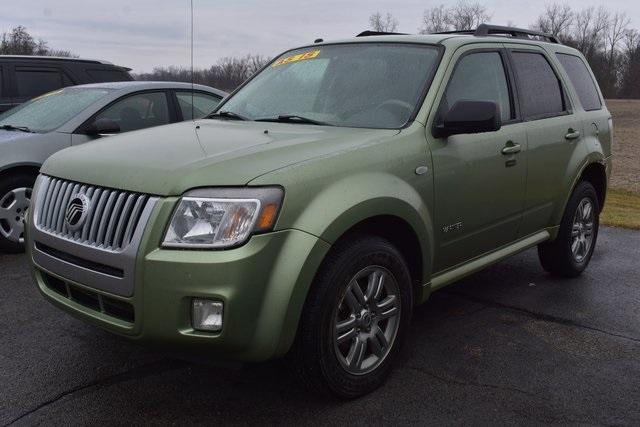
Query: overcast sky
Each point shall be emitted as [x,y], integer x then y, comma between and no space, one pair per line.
[142,34]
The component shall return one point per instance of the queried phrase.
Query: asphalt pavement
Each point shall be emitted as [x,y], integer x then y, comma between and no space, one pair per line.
[508,345]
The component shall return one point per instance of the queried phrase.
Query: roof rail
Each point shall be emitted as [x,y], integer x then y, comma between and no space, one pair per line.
[368,33]
[484,30]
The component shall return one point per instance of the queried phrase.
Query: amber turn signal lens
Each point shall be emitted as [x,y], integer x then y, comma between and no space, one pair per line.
[267,217]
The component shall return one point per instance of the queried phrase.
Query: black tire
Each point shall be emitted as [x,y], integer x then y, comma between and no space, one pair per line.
[315,354]
[7,185]
[557,256]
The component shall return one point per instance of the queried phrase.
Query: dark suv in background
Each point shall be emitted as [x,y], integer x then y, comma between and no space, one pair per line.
[25,77]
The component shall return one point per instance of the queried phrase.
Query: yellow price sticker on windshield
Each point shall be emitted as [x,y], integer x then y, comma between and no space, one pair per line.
[295,58]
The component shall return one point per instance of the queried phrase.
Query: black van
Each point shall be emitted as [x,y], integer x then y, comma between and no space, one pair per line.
[25,77]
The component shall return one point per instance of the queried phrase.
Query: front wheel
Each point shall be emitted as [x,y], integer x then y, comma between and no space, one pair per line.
[569,254]
[354,319]
[15,196]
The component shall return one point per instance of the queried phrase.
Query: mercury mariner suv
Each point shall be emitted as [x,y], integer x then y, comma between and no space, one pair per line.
[327,196]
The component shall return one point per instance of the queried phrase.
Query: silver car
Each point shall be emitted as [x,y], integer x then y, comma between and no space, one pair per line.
[33,131]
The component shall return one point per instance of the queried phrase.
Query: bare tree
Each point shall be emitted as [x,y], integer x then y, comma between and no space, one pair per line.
[435,20]
[616,31]
[556,19]
[385,24]
[589,29]
[467,16]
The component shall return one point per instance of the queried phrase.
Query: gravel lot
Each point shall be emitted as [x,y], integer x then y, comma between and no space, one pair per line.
[507,345]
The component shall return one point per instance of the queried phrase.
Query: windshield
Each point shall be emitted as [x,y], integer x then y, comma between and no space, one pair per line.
[371,85]
[51,110]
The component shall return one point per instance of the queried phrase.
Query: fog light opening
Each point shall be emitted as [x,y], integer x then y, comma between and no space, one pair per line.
[206,315]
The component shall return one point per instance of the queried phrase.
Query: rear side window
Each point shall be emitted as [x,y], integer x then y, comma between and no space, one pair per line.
[480,77]
[582,81]
[32,82]
[539,88]
[100,76]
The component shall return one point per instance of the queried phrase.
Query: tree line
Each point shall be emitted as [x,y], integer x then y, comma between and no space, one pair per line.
[227,74]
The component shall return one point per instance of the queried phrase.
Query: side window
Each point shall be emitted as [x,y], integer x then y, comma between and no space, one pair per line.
[581,80]
[480,77]
[108,75]
[203,104]
[32,82]
[138,111]
[539,88]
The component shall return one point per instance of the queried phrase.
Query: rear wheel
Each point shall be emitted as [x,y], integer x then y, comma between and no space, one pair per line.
[15,197]
[354,319]
[569,254]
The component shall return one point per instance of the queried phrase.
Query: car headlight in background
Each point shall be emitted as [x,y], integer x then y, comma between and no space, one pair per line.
[222,217]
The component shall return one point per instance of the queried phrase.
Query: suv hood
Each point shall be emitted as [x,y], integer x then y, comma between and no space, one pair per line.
[168,160]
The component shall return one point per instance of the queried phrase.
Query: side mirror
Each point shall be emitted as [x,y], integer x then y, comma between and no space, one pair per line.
[469,117]
[103,127]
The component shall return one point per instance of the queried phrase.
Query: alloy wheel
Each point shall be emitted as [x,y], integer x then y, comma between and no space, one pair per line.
[582,230]
[367,320]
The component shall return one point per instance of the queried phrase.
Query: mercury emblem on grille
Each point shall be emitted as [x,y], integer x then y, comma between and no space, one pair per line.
[77,211]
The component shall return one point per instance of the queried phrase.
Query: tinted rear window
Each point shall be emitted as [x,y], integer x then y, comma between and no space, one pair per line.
[539,88]
[100,76]
[582,81]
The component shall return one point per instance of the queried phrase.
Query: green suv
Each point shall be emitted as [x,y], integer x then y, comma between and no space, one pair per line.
[326,197]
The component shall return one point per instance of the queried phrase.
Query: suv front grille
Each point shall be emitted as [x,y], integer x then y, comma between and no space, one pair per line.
[110,222]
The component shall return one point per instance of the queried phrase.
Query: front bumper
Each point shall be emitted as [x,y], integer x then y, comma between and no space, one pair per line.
[262,284]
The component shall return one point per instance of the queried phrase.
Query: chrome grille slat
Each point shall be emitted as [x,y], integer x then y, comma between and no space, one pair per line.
[115,216]
[135,213]
[104,220]
[126,211]
[95,221]
[64,201]
[110,223]
[54,198]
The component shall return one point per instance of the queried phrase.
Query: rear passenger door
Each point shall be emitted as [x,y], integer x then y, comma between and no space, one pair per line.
[553,133]
[478,185]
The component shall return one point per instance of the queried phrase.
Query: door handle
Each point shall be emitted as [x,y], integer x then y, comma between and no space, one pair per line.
[511,148]
[573,134]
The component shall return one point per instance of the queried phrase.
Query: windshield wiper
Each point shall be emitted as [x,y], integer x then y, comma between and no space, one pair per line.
[227,115]
[20,128]
[293,118]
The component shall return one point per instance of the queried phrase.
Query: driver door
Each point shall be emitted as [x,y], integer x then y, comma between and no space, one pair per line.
[479,186]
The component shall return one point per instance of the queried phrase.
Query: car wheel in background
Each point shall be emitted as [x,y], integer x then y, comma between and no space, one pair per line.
[354,319]
[15,196]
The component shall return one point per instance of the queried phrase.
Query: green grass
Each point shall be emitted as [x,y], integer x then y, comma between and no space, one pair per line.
[621,209]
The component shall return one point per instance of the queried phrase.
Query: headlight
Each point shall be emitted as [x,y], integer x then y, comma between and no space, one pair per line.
[221,218]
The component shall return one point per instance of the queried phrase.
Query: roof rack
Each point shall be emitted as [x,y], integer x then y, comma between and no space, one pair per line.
[484,30]
[368,33]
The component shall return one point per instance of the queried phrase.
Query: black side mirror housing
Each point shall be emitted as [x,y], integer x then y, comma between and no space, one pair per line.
[468,117]
[103,127]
